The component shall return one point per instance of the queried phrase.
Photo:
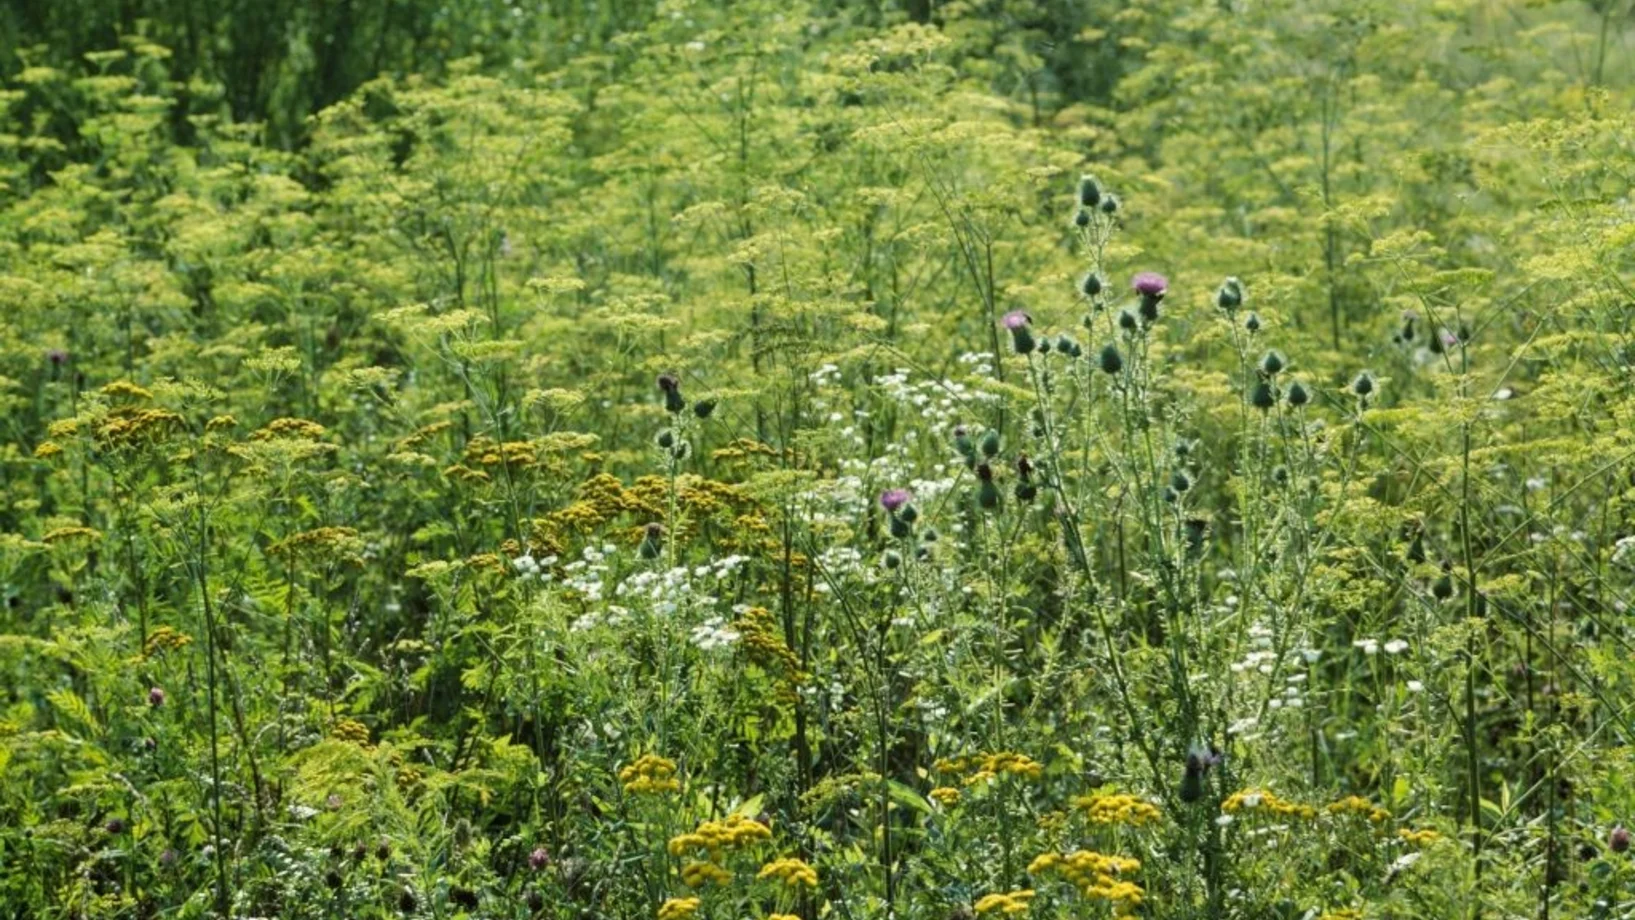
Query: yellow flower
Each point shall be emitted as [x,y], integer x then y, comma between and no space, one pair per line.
[731,832]
[650,775]
[1261,800]
[1118,809]
[790,871]
[1357,805]
[1095,875]
[678,908]
[699,874]
[1015,902]
[1419,838]
[946,795]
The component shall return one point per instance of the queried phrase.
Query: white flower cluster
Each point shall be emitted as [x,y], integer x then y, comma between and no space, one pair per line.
[531,569]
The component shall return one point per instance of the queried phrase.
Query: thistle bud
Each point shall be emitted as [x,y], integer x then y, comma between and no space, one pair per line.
[1271,364]
[1081,219]
[1263,397]
[1298,396]
[1180,482]
[1109,203]
[704,408]
[670,385]
[990,443]
[1091,284]
[1111,361]
[891,559]
[1128,321]
[652,541]
[963,444]
[1018,322]
[1230,295]
[1252,322]
[987,494]
[665,439]
[1442,588]
[1363,386]
[156,697]
[1089,191]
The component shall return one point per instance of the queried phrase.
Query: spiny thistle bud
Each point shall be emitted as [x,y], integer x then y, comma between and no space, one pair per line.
[987,494]
[1024,468]
[1263,397]
[1363,386]
[1618,840]
[900,529]
[1109,203]
[670,385]
[1018,322]
[1298,395]
[1091,284]
[652,541]
[535,901]
[891,559]
[1128,321]
[1198,762]
[1196,530]
[1230,295]
[990,443]
[1252,322]
[406,901]
[1442,588]
[1416,549]
[1111,361]
[704,408]
[1067,345]
[1408,318]
[963,444]
[1081,219]
[1026,492]
[1280,475]
[909,513]
[665,439]
[930,535]
[1180,482]
[1045,345]
[1089,191]
[1183,448]
[1271,364]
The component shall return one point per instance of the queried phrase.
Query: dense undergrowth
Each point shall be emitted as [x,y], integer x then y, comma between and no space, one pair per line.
[796,462]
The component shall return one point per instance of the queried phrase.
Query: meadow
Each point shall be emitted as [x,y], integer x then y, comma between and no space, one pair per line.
[794,460]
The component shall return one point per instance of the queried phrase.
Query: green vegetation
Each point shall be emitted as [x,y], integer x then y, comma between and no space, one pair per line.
[786,461]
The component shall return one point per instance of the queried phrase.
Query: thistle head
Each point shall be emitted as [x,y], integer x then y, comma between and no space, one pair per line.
[894,499]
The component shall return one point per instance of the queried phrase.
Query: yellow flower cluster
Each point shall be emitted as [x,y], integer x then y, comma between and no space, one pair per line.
[1118,809]
[65,534]
[1261,800]
[729,833]
[699,874]
[340,544]
[781,917]
[946,795]
[124,389]
[289,428]
[165,639]
[127,427]
[790,871]
[351,731]
[1015,902]
[981,768]
[46,450]
[1344,913]
[1357,805]
[758,634]
[650,775]
[1419,838]
[678,908]
[1095,875]
[485,451]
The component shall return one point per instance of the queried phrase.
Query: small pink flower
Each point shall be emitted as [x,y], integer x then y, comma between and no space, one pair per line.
[1150,284]
[1016,319]
[156,697]
[538,859]
[894,499]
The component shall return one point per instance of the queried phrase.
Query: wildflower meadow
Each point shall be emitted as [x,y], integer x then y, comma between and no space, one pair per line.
[817,460]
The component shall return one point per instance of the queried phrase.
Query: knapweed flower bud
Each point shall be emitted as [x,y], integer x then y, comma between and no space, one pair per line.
[1089,191]
[156,697]
[990,443]
[1081,219]
[1298,395]
[670,385]
[652,541]
[1091,284]
[1363,386]
[1152,287]
[1018,322]
[1618,840]
[1252,322]
[1111,361]
[704,408]
[538,859]
[1263,397]
[1271,364]
[1109,203]
[1230,295]
[1128,321]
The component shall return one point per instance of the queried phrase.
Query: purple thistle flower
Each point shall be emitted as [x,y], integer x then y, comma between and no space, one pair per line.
[538,859]
[57,356]
[1016,319]
[1618,840]
[156,697]
[1150,284]
[894,499]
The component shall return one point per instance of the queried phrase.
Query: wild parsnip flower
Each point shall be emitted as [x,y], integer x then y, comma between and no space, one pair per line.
[650,775]
[1009,903]
[790,871]
[678,908]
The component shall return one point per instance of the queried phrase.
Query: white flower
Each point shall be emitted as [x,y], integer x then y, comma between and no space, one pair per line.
[1415,686]
[1395,647]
